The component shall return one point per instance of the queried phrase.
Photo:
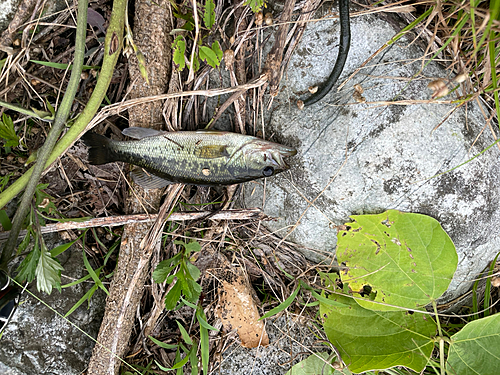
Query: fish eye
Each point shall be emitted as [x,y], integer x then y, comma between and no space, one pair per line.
[268,171]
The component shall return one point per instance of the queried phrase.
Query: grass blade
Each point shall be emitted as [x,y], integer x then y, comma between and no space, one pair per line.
[282,306]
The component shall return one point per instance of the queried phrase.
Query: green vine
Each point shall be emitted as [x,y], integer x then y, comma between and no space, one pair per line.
[112,47]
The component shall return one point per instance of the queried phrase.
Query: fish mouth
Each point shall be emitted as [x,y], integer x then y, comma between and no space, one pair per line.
[277,154]
[273,153]
[287,151]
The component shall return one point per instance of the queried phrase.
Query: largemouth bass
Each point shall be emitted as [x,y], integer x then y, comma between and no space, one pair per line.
[190,157]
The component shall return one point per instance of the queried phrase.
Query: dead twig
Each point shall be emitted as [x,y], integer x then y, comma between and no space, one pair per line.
[272,68]
[115,221]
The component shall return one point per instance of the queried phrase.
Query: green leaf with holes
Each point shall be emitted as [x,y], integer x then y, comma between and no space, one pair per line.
[212,56]
[209,14]
[475,349]
[406,259]
[179,47]
[375,340]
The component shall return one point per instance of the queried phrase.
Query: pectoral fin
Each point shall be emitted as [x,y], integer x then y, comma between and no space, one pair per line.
[148,180]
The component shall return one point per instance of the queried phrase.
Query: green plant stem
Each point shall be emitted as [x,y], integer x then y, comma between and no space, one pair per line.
[115,29]
[22,110]
[114,38]
[59,121]
[495,10]
[440,336]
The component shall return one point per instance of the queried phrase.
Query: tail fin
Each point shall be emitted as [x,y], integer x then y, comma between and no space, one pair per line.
[100,151]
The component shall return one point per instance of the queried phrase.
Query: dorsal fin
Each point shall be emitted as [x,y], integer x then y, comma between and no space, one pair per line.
[139,133]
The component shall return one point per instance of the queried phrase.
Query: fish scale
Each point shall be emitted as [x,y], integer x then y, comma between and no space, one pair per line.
[199,157]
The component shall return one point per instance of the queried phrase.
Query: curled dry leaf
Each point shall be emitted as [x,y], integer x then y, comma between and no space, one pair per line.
[259,18]
[495,281]
[460,78]
[300,104]
[313,89]
[239,312]
[359,88]
[358,97]
[268,19]
[439,88]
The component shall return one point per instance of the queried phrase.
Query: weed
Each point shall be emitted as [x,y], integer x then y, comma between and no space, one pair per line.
[8,133]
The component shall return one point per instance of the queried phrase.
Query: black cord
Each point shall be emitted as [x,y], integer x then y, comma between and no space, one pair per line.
[345,43]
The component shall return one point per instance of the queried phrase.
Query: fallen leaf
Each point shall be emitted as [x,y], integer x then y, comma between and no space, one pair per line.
[239,312]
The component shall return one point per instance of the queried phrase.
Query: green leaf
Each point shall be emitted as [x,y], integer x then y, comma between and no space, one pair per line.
[7,132]
[4,180]
[86,296]
[194,290]
[61,248]
[204,341]
[407,259]
[44,201]
[209,56]
[181,363]
[162,344]
[192,305]
[93,274]
[48,272]
[51,109]
[191,247]
[375,340]
[25,242]
[173,296]
[179,47]
[188,17]
[162,271]
[321,298]
[80,280]
[194,272]
[193,358]
[256,5]
[62,66]
[318,363]
[185,335]
[209,15]
[175,366]
[202,319]
[218,52]
[181,279]
[282,306]
[180,370]
[27,268]
[5,221]
[475,349]
[43,114]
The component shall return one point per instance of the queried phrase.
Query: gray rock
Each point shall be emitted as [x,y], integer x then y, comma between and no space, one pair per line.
[289,343]
[359,158]
[38,341]
[9,7]
[7,10]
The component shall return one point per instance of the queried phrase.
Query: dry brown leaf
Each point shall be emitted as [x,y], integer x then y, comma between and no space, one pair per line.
[239,312]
